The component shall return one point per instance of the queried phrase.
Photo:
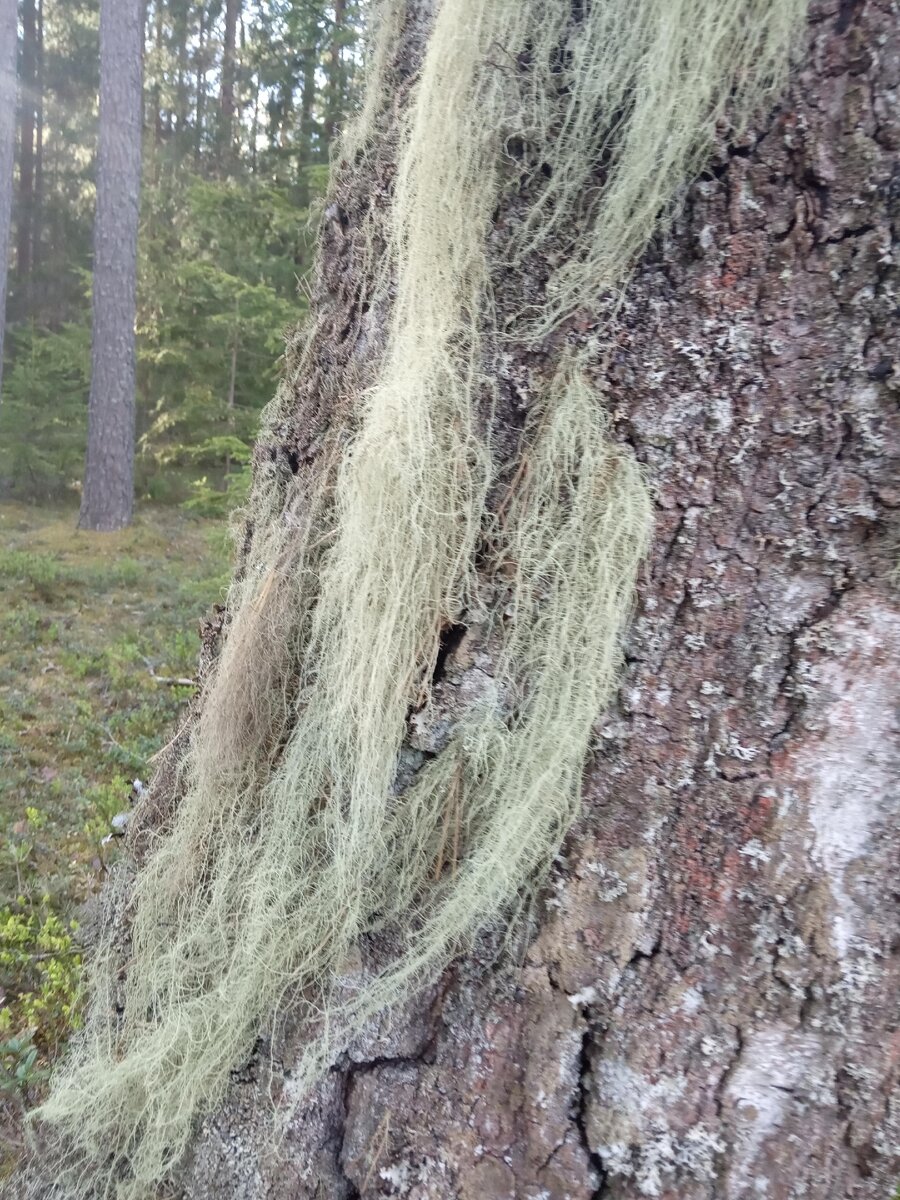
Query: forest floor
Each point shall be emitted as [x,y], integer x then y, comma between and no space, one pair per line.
[94,629]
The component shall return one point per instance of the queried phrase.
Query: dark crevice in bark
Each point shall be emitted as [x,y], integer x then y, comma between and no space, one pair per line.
[351,1190]
[450,639]
[848,14]
[584,1072]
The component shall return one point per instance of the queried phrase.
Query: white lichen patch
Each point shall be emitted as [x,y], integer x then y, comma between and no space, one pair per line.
[848,769]
[630,1128]
[780,1070]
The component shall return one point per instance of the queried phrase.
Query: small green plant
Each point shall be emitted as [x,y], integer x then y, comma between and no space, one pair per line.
[35,818]
[19,852]
[40,975]
[209,501]
[19,1069]
[38,573]
[107,799]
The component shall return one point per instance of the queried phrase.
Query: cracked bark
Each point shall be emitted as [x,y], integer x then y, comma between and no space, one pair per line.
[705,1008]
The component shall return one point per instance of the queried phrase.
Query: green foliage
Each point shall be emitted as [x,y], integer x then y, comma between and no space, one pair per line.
[224,239]
[19,1069]
[217,290]
[209,501]
[40,975]
[43,417]
[48,577]
[83,620]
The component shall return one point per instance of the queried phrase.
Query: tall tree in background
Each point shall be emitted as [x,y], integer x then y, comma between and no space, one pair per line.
[27,125]
[8,93]
[227,94]
[37,214]
[108,494]
[335,70]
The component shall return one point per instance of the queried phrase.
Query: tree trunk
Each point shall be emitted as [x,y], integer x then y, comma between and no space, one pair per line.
[201,84]
[254,128]
[37,215]
[9,37]
[180,34]
[307,125]
[27,115]
[335,101]
[707,1008]
[226,95]
[108,494]
[159,47]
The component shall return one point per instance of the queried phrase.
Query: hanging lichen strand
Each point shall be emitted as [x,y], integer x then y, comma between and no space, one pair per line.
[293,839]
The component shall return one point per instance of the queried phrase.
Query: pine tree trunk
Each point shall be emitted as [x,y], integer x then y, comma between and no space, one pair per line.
[27,116]
[181,80]
[200,60]
[159,46]
[108,494]
[307,126]
[226,96]
[9,31]
[335,72]
[37,214]
[707,1008]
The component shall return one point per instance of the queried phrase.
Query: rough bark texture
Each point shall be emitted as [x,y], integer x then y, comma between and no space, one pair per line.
[9,32]
[707,1008]
[107,498]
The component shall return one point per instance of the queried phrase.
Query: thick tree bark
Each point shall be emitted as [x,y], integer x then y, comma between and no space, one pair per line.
[108,495]
[9,35]
[706,1008]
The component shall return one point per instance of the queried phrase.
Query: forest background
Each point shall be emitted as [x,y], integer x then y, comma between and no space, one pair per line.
[242,99]
[242,103]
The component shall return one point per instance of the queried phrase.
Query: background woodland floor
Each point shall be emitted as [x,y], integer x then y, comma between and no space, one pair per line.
[93,629]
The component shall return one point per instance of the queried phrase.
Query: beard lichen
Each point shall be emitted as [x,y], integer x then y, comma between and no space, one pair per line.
[293,841]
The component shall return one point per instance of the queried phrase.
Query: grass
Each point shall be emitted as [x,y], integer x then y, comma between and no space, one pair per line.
[92,629]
